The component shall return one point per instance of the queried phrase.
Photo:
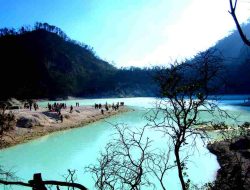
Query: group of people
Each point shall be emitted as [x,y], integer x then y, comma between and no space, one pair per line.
[57,107]
[115,106]
[29,105]
[98,106]
[108,106]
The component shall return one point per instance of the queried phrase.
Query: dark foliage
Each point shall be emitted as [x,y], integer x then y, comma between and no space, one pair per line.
[42,62]
[236,59]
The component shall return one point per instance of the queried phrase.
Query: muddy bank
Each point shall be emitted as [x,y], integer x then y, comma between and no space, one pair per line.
[33,124]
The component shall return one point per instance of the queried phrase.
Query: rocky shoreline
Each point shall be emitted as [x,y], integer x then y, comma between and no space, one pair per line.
[234,158]
[41,122]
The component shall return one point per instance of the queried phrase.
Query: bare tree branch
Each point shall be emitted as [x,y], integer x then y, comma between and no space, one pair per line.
[122,165]
[233,14]
[38,183]
[128,161]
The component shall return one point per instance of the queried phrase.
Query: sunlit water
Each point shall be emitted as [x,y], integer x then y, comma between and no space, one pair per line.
[53,154]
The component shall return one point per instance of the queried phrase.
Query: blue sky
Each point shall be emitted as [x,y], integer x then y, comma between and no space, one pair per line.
[131,32]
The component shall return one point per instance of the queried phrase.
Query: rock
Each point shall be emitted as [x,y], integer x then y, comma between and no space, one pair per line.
[78,111]
[27,122]
[30,120]
[14,104]
[233,156]
[241,144]
[11,103]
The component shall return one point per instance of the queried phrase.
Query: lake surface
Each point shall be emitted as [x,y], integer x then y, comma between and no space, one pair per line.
[53,154]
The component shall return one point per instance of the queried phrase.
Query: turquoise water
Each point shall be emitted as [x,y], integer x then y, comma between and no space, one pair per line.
[53,154]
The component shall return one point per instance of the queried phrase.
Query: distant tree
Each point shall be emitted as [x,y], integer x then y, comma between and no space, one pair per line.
[7,31]
[37,25]
[22,30]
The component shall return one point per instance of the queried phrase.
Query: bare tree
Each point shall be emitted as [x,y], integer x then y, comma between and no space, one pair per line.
[70,177]
[123,163]
[233,6]
[130,162]
[158,165]
[185,88]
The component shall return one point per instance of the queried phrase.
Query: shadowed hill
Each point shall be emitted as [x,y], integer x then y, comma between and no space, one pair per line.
[233,48]
[40,63]
[43,62]
[237,61]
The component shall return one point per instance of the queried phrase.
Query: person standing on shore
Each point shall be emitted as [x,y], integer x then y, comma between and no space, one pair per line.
[71,109]
[35,106]
[61,117]
[30,105]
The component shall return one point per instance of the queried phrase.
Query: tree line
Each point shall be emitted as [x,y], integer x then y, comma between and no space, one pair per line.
[41,26]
